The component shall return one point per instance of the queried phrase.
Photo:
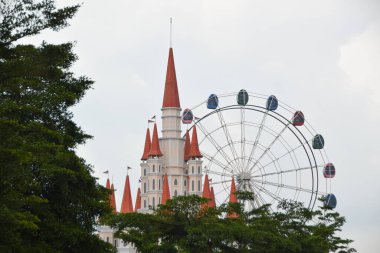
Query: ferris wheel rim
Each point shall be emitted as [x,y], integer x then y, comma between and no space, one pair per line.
[287,123]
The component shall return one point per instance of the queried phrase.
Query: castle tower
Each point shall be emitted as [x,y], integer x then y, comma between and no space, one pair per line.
[194,165]
[151,173]
[172,142]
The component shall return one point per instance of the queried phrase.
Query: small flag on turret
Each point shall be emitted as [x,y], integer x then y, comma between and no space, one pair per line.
[105,172]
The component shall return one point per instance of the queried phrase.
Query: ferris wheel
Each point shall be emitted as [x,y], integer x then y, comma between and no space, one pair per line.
[266,146]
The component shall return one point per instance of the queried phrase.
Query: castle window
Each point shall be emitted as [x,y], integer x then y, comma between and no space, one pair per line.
[199,185]
[108,239]
[159,168]
[154,184]
[184,182]
[153,202]
[115,243]
[144,203]
[199,169]
[184,193]
[192,169]
[144,187]
[144,172]
[192,185]
[159,200]
[186,171]
[175,182]
[154,168]
[175,193]
[159,184]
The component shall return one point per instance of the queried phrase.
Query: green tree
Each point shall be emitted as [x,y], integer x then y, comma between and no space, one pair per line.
[49,202]
[182,225]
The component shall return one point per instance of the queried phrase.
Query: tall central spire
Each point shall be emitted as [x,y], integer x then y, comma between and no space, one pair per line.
[171,97]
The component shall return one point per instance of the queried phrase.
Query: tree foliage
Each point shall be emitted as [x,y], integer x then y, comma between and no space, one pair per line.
[49,202]
[182,225]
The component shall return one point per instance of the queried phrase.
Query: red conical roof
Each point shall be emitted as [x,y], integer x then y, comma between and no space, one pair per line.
[213,203]
[206,192]
[138,200]
[113,200]
[147,146]
[155,147]
[108,187]
[165,190]
[126,204]
[171,97]
[194,149]
[233,199]
[187,146]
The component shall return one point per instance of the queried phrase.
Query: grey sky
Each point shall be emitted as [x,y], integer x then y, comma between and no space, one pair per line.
[320,56]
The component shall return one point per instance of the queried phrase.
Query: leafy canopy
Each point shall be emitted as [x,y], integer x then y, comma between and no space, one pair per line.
[183,225]
[49,202]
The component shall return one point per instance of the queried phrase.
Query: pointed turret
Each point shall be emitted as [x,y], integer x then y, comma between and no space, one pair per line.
[138,200]
[194,149]
[165,190]
[126,204]
[233,199]
[113,199]
[155,147]
[171,97]
[108,187]
[187,146]
[147,146]
[206,192]
[213,203]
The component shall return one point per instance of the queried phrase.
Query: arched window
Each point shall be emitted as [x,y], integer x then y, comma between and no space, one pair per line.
[144,187]
[144,172]
[144,203]
[199,185]
[154,168]
[184,182]
[159,184]
[175,192]
[199,169]
[192,169]
[175,181]
[115,243]
[184,193]
[159,168]
[153,202]
[108,239]
[192,185]
[153,184]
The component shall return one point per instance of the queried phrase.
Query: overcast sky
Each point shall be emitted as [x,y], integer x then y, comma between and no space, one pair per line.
[321,56]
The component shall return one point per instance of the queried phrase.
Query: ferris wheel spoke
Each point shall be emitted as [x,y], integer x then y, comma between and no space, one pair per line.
[252,153]
[218,173]
[214,143]
[287,171]
[268,193]
[213,160]
[242,136]
[285,186]
[270,146]
[257,196]
[283,155]
[221,182]
[228,137]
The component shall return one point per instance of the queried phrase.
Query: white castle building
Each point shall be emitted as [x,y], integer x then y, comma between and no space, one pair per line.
[171,164]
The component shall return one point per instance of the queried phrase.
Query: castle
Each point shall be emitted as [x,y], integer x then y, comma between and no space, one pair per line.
[171,165]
